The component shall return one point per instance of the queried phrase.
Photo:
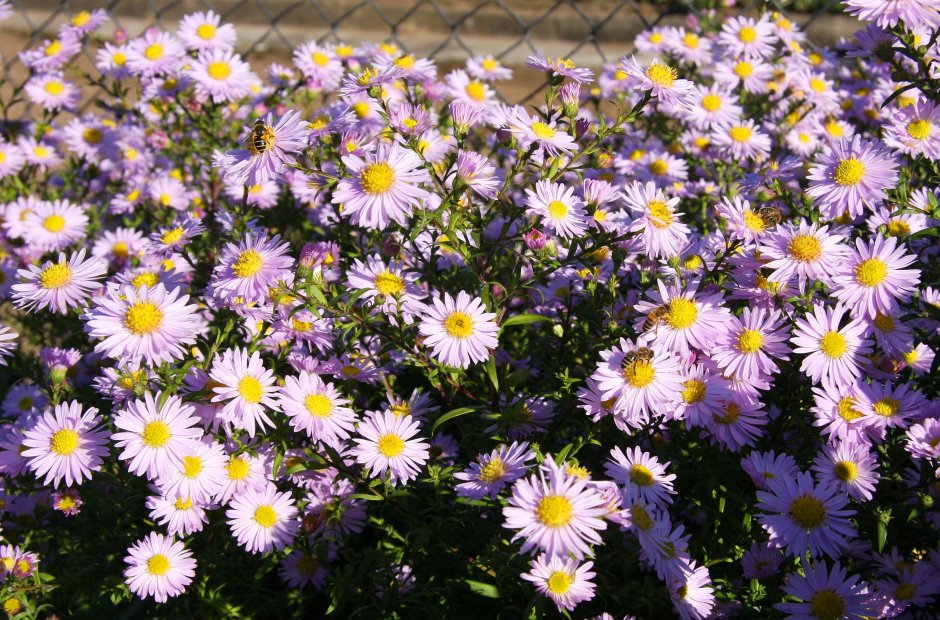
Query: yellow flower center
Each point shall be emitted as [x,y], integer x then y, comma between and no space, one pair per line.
[406,62]
[144,317]
[172,236]
[183,504]
[807,511]
[119,58]
[659,167]
[54,48]
[475,91]
[641,475]
[887,407]
[390,445]
[154,51]
[743,69]
[849,172]
[55,276]
[805,248]
[747,34]
[731,414]
[557,209]
[660,214]
[219,70]
[250,389]
[827,604]
[64,442]
[691,40]
[120,250]
[265,516]
[559,582]
[711,103]
[554,511]
[248,264]
[147,278]
[318,405]
[754,221]
[54,223]
[54,88]
[871,272]
[846,471]
[542,131]
[158,565]
[493,471]
[833,344]
[156,434]
[92,135]
[905,591]
[641,517]
[458,325]
[693,391]
[206,32]
[847,410]
[192,466]
[898,228]
[400,409]
[750,341]
[817,85]
[237,469]
[682,313]
[639,373]
[320,59]
[387,283]
[377,178]
[919,129]
[740,133]
[661,75]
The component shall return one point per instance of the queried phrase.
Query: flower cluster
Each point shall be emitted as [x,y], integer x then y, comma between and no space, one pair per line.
[355,329]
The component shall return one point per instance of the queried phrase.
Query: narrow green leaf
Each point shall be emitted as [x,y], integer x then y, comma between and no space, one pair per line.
[450,415]
[276,467]
[882,536]
[524,319]
[491,372]
[483,589]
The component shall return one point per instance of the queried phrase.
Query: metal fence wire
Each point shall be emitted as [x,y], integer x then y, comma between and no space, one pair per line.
[591,32]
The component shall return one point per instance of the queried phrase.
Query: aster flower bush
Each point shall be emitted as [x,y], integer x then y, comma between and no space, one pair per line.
[350,337]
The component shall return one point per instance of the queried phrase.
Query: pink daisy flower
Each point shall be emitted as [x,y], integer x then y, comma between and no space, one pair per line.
[704,395]
[7,343]
[923,440]
[556,512]
[840,411]
[643,477]
[741,139]
[389,285]
[664,234]
[268,149]
[738,424]
[154,53]
[263,520]
[805,252]
[559,209]
[181,516]
[251,268]
[243,471]
[58,285]
[66,443]
[887,13]
[200,476]
[747,37]
[749,343]
[691,592]
[915,130]
[492,472]
[155,436]
[562,580]
[805,516]
[317,409]
[246,387]
[549,137]
[159,566]
[560,67]
[850,175]
[150,324]
[873,278]
[763,467]
[834,354]
[53,92]
[459,331]
[204,31]
[383,187]
[388,447]
[713,106]
[302,568]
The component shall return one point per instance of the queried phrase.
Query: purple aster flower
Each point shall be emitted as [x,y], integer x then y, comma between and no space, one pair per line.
[662,81]
[490,473]
[642,476]
[560,67]
[459,331]
[556,512]
[246,387]
[873,278]
[66,443]
[383,187]
[263,520]
[58,285]
[251,268]
[826,594]
[562,580]
[692,593]
[916,14]
[388,447]
[159,566]
[268,147]
[155,435]
[746,348]
[8,343]
[850,466]
[317,409]
[805,516]
[850,175]
[834,354]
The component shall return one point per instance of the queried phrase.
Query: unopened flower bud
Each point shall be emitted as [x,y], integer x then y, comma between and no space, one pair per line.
[534,239]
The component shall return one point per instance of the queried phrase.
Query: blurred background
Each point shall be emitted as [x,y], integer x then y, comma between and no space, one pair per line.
[589,32]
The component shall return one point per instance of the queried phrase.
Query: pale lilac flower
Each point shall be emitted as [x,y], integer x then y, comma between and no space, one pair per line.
[850,466]
[492,472]
[59,285]
[268,149]
[263,520]
[834,353]
[389,448]
[826,594]
[317,409]
[251,268]
[873,279]
[458,330]
[66,444]
[850,175]
[562,580]
[246,387]
[159,566]
[643,477]
[154,433]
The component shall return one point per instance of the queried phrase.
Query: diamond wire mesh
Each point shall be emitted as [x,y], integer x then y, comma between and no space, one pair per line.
[447,28]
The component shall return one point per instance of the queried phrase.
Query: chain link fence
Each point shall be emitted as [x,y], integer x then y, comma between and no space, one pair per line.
[590,32]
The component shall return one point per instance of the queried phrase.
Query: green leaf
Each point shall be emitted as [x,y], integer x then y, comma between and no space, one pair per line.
[450,415]
[491,372]
[882,536]
[276,467]
[483,589]
[524,319]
